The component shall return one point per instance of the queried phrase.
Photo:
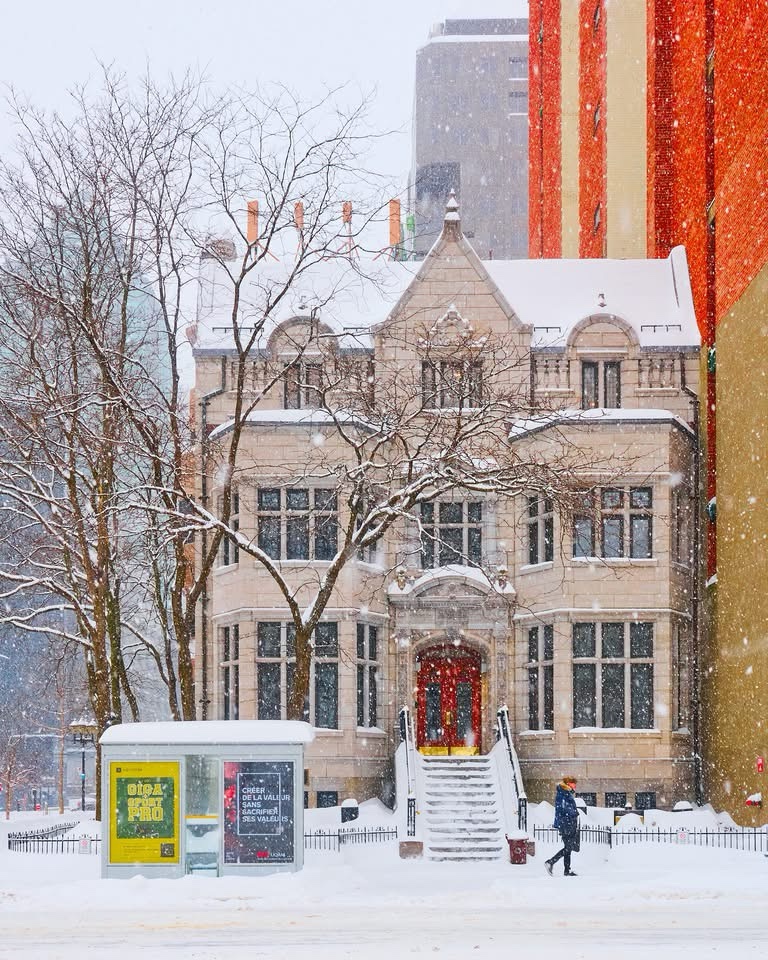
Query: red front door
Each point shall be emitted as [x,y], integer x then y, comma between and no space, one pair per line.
[448,701]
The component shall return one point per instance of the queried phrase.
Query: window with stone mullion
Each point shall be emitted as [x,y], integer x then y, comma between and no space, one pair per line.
[541,701]
[302,385]
[583,539]
[600,380]
[612,522]
[276,670]
[640,522]
[230,671]
[449,384]
[540,530]
[367,675]
[625,524]
[291,527]
[230,552]
[614,683]
[451,533]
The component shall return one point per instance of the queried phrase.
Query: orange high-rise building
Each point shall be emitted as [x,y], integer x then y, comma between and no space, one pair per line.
[649,128]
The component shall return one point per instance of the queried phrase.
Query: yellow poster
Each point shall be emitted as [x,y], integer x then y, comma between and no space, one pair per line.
[143,812]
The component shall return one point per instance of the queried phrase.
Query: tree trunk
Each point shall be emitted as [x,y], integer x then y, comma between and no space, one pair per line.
[61,772]
[300,693]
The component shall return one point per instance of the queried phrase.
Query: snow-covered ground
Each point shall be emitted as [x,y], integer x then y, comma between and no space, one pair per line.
[365,903]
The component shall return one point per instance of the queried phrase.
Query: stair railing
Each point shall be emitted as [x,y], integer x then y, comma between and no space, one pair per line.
[408,738]
[504,733]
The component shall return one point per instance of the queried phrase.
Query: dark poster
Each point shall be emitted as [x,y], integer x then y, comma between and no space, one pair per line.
[258,812]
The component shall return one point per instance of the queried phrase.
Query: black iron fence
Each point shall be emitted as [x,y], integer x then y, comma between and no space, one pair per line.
[599,835]
[336,839]
[29,843]
[751,839]
[40,841]
[746,838]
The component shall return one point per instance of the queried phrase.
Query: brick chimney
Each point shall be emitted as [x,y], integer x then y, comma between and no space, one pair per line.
[394,225]
[252,224]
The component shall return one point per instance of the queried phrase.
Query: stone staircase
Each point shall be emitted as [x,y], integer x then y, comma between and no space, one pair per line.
[462,811]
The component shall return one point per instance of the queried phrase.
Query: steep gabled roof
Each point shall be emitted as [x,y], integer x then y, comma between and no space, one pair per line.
[452,234]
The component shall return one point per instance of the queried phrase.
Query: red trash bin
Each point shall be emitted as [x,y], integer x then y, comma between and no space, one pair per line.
[518,849]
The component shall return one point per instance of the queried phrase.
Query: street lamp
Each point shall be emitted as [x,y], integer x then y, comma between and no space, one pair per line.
[83,731]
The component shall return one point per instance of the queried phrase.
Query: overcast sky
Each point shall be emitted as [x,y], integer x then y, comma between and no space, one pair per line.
[48,45]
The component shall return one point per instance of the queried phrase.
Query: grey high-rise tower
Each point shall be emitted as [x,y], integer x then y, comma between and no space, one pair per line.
[470,134]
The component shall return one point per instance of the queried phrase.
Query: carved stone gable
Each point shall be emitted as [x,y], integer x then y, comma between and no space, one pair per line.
[450,591]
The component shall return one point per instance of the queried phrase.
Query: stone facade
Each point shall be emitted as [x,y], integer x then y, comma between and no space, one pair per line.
[579,619]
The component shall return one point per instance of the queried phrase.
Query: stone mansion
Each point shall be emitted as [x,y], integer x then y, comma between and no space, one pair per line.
[581,622]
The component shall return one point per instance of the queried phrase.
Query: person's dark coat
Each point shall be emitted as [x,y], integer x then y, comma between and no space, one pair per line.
[566,811]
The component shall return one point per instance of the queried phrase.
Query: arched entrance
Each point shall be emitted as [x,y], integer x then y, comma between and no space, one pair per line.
[448,700]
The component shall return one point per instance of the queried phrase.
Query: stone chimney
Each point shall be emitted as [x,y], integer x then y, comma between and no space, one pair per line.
[452,219]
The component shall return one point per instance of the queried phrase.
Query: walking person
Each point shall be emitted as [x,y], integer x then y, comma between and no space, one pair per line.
[567,822]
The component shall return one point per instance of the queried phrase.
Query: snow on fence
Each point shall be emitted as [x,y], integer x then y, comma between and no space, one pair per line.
[53,831]
[29,843]
[752,839]
[40,841]
[336,839]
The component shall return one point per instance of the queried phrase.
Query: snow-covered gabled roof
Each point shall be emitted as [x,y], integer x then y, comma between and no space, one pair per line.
[352,298]
[346,296]
[598,416]
[209,732]
[652,296]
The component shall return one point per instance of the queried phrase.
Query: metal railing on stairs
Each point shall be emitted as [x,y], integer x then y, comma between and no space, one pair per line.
[504,734]
[408,738]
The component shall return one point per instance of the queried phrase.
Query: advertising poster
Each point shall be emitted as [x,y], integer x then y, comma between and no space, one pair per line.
[144,808]
[258,811]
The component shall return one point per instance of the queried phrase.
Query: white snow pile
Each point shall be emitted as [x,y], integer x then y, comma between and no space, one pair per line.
[669,901]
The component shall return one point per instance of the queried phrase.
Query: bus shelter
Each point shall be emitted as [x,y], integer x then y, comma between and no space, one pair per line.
[212,797]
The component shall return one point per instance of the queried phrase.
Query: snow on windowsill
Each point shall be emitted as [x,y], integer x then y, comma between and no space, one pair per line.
[225,568]
[372,565]
[536,567]
[296,563]
[376,732]
[618,561]
[614,731]
[537,734]
[328,732]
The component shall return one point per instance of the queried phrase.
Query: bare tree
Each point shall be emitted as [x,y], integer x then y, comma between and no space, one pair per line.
[104,218]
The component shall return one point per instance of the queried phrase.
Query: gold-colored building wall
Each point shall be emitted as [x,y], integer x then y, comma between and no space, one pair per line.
[735,674]
[626,129]
[569,130]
